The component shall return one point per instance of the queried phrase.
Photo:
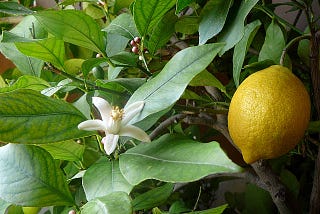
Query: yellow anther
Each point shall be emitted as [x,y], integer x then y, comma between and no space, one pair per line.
[116,113]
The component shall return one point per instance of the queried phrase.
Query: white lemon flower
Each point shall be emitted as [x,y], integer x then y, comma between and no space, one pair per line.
[115,123]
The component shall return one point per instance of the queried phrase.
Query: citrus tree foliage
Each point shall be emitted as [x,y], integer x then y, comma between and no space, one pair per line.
[183,59]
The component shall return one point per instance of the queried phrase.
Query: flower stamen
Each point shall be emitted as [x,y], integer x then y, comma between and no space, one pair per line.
[116,113]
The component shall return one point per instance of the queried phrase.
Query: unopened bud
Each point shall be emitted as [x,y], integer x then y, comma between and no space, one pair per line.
[135,49]
[137,39]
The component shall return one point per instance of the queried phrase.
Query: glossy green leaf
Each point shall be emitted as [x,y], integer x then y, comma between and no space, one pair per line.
[66,150]
[147,13]
[49,50]
[205,78]
[162,32]
[27,65]
[14,8]
[97,184]
[74,27]
[234,30]
[123,25]
[30,117]
[213,17]
[32,177]
[182,4]
[27,82]
[273,44]
[241,49]
[174,159]
[153,198]
[116,202]
[187,25]
[170,83]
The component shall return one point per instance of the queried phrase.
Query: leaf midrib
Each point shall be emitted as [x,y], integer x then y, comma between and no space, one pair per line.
[173,161]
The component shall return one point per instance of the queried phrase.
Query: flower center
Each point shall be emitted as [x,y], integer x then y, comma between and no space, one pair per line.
[116,113]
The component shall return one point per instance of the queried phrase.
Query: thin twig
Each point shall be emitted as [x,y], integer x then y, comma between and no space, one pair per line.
[288,46]
[165,124]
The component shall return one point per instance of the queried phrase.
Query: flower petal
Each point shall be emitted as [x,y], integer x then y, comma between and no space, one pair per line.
[103,107]
[131,111]
[110,142]
[91,125]
[135,132]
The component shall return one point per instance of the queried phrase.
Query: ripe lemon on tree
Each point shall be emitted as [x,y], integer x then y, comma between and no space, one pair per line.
[268,113]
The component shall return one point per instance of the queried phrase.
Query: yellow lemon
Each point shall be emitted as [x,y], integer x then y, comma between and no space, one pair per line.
[268,114]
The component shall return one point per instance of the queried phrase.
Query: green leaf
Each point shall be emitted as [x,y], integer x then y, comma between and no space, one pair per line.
[3,206]
[291,182]
[116,44]
[147,13]
[241,49]
[14,8]
[27,82]
[187,25]
[205,78]
[130,84]
[119,4]
[89,64]
[74,27]
[182,4]
[257,199]
[273,44]
[152,198]
[174,159]
[32,177]
[162,32]
[116,202]
[97,184]
[217,210]
[170,83]
[124,58]
[49,50]
[234,30]
[314,126]
[30,117]
[213,17]
[66,150]
[123,25]
[27,65]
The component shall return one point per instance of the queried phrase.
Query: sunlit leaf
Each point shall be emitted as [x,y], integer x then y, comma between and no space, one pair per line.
[31,177]
[49,50]
[74,27]
[167,159]
[147,13]
[27,82]
[66,150]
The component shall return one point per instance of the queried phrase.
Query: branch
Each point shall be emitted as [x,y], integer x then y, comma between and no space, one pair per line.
[165,124]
